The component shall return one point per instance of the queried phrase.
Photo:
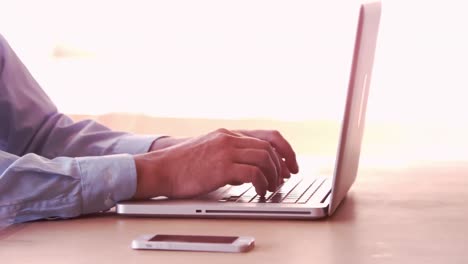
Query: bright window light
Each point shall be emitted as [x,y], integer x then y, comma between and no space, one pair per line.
[286,60]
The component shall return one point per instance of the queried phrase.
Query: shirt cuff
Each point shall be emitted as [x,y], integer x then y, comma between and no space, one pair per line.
[135,144]
[106,180]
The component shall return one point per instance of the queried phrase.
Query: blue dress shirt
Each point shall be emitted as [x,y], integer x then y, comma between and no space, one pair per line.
[51,166]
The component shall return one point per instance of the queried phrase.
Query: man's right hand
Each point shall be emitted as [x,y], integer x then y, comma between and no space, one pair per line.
[203,164]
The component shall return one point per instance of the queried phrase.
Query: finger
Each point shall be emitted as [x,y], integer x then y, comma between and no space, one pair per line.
[255,143]
[227,131]
[279,142]
[285,173]
[251,142]
[248,173]
[282,166]
[261,159]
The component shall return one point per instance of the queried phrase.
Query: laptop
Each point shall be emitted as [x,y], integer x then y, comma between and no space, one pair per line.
[299,197]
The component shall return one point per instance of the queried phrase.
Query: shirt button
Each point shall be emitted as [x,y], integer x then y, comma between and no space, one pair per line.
[108,202]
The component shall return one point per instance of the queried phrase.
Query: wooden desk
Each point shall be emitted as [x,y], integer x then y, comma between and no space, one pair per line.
[417,214]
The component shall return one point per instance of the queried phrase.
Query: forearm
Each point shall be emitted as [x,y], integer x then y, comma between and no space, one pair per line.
[60,136]
[32,187]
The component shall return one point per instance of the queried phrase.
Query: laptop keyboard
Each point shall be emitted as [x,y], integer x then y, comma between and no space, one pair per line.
[294,190]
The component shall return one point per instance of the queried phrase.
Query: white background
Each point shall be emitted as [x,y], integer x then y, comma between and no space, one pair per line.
[285,60]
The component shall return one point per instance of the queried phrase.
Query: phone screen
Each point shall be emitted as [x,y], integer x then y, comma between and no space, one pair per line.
[194,239]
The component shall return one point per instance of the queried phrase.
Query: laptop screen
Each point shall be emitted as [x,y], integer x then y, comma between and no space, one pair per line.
[349,148]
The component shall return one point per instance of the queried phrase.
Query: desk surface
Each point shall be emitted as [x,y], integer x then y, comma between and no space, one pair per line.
[416,214]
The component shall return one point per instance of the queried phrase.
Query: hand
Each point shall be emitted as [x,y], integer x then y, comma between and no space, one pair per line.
[286,153]
[203,164]
[165,142]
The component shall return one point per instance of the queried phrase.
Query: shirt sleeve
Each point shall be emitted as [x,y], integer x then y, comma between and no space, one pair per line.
[51,166]
[60,136]
[33,187]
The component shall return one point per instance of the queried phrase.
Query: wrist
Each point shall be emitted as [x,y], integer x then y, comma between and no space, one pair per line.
[152,181]
[165,142]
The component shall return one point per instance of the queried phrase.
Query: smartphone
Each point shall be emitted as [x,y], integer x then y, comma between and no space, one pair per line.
[194,243]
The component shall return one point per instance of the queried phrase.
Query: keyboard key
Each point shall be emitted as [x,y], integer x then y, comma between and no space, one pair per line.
[238,190]
[321,192]
[248,195]
[244,200]
[278,196]
[286,188]
[299,190]
[233,198]
[250,192]
[312,189]
[275,199]
[289,200]
[233,193]
[258,199]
